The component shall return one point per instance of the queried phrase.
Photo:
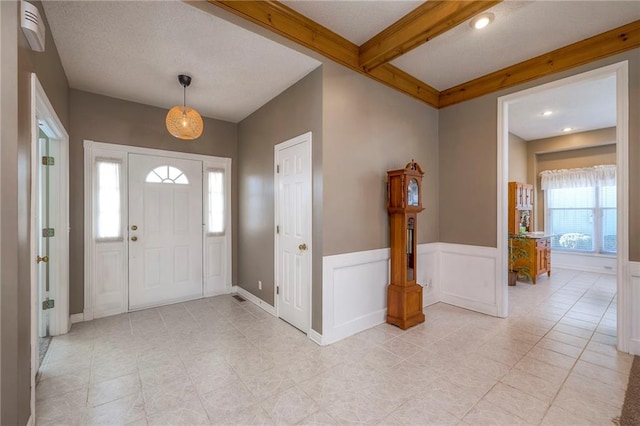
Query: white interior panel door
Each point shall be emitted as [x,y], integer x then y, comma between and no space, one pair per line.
[294,238]
[165,230]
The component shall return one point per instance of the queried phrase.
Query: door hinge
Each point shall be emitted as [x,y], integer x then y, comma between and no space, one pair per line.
[48,304]
[48,232]
[277,289]
[48,161]
[278,168]
[277,229]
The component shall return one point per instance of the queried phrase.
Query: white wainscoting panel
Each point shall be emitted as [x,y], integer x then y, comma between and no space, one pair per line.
[467,277]
[354,287]
[584,262]
[634,304]
[428,273]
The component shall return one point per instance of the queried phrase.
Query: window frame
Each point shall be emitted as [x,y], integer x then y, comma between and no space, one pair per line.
[597,213]
[167,180]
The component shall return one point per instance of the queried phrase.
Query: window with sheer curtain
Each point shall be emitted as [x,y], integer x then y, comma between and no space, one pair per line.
[108,200]
[216,202]
[580,208]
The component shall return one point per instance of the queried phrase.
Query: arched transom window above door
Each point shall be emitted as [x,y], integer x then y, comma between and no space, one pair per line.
[167,174]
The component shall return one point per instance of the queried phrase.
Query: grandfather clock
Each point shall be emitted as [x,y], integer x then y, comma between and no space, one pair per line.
[404,202]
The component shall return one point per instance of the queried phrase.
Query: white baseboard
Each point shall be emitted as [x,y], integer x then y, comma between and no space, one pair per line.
[472,305]
[584,262]
[220,292]
[75,318]
[316,337]
[254,299]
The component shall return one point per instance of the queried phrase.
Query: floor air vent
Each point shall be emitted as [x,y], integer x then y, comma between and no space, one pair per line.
[239,298]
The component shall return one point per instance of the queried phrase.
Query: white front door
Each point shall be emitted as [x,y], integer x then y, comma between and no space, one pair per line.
[165,230]
[293,217]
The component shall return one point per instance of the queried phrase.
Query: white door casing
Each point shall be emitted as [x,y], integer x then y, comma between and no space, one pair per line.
[165,230]
[43,116]
[47,217]
[621,71]
[293,231]
[106,271]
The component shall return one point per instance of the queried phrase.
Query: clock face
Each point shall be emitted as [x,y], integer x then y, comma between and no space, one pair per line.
[413,193]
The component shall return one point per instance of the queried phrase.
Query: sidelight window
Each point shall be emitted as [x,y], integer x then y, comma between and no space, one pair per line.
[108,199]
[215,185]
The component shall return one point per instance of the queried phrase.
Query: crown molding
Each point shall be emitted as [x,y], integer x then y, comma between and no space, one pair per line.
[600,46]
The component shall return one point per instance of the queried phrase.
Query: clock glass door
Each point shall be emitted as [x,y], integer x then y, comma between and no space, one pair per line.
[410,249]
[412,193]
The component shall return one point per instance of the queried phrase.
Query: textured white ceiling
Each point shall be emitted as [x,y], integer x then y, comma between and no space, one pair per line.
[358,20]
[521,30]
[134,50]
[583,106]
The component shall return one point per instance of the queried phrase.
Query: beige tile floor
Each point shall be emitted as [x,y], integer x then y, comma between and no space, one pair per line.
[552,362]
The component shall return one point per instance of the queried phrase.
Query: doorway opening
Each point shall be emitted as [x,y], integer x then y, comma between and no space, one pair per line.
[506,105]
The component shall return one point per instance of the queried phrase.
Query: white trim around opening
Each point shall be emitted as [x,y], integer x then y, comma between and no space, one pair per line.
[117,302]
[621,71]
[43,113]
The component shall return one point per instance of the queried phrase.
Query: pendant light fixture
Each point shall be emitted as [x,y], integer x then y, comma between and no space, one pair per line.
[184,122]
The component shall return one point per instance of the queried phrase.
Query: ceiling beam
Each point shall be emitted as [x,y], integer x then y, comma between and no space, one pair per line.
[285,21]
[290,24]
[424,23]
[406,83]
[606,44]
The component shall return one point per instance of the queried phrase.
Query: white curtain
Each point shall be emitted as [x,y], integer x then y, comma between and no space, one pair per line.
[587,177]
[108,199]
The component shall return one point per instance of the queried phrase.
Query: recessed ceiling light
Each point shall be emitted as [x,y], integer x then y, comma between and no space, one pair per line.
[546,113]
[481,21]
[567,129]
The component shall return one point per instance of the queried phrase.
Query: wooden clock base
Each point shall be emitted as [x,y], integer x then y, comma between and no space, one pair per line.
[404,305]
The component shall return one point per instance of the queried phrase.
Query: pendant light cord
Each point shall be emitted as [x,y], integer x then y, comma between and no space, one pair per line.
[184,98]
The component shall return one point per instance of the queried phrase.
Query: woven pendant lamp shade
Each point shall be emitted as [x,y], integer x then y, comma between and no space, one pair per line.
[184,122]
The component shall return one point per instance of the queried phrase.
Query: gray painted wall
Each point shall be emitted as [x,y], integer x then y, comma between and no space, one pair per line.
[517,159]
[468,161]
[104,119]
[579,140]
[369,129]
[18,62]
[295,111]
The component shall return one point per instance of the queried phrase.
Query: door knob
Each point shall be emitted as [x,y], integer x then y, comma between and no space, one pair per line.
[42,259]
[134,238]
[302,246]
